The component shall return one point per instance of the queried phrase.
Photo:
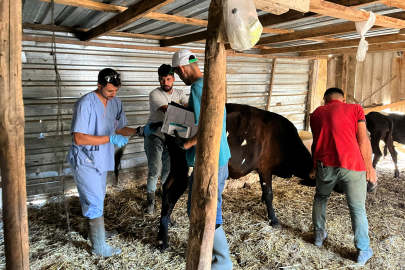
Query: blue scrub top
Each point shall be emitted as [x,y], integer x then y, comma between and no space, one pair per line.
[194,103]
[91,117]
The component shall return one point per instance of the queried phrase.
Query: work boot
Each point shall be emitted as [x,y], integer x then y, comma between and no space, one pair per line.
[108,234]
[150,203]
[320,237]
[159,192]
[221,259]
[97,238]
[363,256]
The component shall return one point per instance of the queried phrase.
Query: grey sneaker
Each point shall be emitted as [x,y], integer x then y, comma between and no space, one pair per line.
[320,237]
[363,256]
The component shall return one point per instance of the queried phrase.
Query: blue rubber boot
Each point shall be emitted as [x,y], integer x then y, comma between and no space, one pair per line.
[97,238]
[363,256]
[221,259]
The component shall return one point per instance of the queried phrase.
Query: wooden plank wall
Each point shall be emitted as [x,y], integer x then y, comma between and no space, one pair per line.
[366,77]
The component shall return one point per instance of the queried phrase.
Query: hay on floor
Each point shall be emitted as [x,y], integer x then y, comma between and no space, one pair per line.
[252,242]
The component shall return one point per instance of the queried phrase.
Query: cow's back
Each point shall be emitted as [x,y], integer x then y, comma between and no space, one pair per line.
[262,140]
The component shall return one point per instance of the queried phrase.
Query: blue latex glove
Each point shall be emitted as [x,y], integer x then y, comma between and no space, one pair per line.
[118,140]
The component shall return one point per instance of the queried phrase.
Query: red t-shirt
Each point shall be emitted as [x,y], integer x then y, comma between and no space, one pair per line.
[334,127]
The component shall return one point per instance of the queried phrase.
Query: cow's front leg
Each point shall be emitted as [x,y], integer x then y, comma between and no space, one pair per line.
[266,180]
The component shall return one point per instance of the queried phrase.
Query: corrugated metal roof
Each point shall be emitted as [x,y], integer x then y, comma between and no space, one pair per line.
[35,11]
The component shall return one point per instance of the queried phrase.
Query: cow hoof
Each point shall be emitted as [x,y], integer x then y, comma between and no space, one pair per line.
[163,247]
[396,175]
[276,226]
[308,183]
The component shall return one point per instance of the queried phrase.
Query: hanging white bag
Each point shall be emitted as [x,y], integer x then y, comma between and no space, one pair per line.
[242,24]
[362,28]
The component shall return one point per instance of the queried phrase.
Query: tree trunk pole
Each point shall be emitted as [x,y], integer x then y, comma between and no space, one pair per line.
[205,188]
[12,149]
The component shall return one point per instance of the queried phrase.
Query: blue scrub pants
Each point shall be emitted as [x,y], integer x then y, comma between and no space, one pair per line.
[223,174]
[91,186]
[158,161]
[354,186]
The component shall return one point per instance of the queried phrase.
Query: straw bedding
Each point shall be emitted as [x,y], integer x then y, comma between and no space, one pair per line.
[253,243]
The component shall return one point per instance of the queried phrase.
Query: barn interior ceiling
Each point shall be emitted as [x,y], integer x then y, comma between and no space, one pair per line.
[326,27]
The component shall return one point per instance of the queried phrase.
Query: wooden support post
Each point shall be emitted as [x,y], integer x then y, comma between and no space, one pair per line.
[345,74]
[273,73]
[317,87]
[351,84]
[205,187]
[313,77]
[12,150]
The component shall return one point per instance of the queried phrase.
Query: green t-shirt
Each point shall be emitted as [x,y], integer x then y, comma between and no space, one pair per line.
[194,103]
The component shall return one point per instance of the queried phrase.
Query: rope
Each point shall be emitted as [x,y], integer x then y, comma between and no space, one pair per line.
[60,127]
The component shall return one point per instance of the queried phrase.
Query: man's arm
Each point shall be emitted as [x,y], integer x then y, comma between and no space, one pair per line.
[125,131]
[163,108]
[85,139]
[184,143]
[365,149]
[312,174]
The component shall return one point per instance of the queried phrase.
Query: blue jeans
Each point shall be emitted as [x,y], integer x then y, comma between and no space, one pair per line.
[354,186]
[223,174]
[158,157]
[91,186]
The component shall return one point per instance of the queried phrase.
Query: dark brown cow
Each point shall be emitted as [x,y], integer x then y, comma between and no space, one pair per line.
[387,128]
[259,140]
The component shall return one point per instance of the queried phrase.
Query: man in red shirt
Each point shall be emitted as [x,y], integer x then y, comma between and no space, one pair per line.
[342,155]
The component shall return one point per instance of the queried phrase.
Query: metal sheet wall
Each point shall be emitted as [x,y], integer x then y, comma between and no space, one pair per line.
[247,78]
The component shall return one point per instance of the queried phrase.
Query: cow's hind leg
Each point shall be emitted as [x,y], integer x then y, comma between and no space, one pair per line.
[375,145]
[266,180]
[394,156]
[172,191]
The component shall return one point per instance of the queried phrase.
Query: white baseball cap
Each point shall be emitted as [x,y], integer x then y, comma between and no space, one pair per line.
[183,57]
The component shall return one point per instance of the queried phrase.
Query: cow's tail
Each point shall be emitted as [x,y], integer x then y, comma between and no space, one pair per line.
[388,138]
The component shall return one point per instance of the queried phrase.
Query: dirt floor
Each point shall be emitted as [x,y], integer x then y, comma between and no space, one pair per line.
[253,243]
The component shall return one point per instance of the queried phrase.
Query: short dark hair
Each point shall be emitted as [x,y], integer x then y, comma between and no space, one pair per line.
[332,91]
[165,70]
[116,80]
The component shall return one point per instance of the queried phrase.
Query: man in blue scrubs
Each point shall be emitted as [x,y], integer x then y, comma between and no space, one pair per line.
[184,63]
[98,123]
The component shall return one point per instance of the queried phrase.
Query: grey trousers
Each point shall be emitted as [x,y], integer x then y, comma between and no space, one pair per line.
[158,161]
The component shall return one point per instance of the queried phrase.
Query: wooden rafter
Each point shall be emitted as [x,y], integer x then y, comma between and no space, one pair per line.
[76,30]
[153,15]
[310,33]
[336,44]
[383,47]
[130,15]
[292,15]
[351,14]
[394,3]
[298,35]
[150,48]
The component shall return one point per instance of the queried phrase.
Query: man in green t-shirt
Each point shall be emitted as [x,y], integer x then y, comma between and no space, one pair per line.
[184,64]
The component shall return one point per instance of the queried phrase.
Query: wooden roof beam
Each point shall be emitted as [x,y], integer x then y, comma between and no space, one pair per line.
[394,3]
[382,47]
[292,15]
[153,15]
[76,30]
[336,44]
[352,14]
[130,15]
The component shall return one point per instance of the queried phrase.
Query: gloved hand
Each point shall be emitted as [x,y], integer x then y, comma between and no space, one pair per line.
[139,132]
[151,128]
[180,141]
[118,140]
